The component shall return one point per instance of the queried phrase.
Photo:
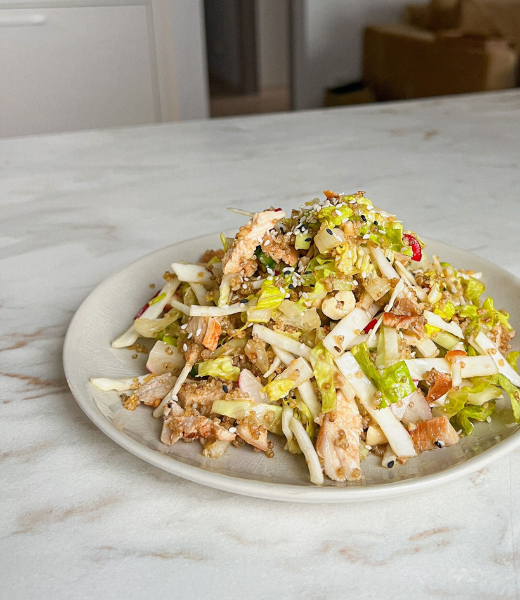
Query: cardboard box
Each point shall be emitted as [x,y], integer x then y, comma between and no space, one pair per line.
[401,61]
[492,18]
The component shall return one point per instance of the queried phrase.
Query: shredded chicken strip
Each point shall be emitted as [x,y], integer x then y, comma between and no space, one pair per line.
[338,441]
[248,238]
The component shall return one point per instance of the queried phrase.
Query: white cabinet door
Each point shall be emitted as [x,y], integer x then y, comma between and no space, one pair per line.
[65,69]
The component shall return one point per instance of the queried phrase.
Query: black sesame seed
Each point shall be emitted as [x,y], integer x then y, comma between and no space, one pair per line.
[291,286]
[376,223]
[388,259]
[364,218]
[438,444]
[329,231]
[282,230]
[390,464]
[307,272]
[225,388]
[243,301]
[308,239]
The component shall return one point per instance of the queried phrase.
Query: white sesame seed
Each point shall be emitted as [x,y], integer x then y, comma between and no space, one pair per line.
[267,242]
[488,419]
[366,236]
[199,331]
[190,335]
[232,430]
[184,347]
[244,286]
[184,326]
[368,447]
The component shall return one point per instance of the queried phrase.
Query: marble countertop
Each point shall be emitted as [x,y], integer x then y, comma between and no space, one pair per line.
[82,518]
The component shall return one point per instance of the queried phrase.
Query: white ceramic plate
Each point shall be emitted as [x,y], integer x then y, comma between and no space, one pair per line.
[108,311]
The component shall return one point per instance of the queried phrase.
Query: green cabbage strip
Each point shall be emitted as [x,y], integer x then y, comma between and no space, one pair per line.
[477,413]
[304,415]
[223,240]
[264,258]
[157,299]
[221,367]
[394,383]
[323,368]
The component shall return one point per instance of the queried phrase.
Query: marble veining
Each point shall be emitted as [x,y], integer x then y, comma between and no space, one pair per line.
[83,518]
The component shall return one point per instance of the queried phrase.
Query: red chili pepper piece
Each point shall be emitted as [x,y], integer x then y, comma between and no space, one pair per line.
[370,326]
[277,209]
[415,246]
[142,309]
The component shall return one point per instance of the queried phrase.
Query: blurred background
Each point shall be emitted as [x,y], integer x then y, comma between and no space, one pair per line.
[67,65]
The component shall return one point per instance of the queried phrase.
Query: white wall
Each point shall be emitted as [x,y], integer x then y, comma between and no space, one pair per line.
[327,42]
[273,47]
[189,50]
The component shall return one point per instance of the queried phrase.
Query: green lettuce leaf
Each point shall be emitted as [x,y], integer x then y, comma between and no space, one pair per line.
[462,420]
[221,367]
[271,295]
[512,359]
[395,382]
[513,392]
[446,312]
[323,367]
[473,289]
[481,390]
[278,388]
[334,215]
[497,316]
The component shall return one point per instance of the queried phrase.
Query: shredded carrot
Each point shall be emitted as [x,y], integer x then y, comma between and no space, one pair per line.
[330,194]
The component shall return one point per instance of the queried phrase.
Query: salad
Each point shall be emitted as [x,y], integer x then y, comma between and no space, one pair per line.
[329,327]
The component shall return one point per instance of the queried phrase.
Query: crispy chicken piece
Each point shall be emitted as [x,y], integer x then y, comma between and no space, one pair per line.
[407,307]
[201,394]
[205,331]
[279,248]
[440,384]
[338,441]
[435,433]
[252,432]
[247,239]
[415,324]
[151,392]
[192,425]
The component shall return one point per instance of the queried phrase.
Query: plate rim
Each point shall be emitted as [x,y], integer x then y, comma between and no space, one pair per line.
[264,489]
